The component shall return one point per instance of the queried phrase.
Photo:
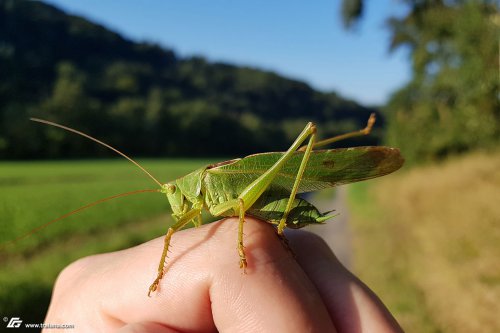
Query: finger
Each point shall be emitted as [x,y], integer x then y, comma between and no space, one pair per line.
[351,304]
[274,296]
[203,289]
[146,327]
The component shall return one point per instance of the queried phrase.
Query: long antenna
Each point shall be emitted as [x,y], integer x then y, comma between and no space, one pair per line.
[31,232]
[46,122]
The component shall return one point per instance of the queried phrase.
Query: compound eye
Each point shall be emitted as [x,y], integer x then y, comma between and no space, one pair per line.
[171,188]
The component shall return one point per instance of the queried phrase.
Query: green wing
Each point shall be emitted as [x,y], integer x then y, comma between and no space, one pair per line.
[326,168]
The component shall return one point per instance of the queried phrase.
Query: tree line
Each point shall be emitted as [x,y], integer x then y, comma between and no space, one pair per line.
[143,98]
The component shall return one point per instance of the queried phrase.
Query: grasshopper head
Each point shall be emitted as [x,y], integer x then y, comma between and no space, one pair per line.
[175,198]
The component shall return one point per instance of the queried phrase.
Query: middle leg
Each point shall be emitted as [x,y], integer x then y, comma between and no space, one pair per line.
[255,189]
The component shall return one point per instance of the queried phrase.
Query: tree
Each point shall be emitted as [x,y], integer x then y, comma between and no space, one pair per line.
[451,103]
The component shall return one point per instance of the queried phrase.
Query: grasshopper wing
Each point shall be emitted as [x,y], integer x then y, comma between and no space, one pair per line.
[325,168]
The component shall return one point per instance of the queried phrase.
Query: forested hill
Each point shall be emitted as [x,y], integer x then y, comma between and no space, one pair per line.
[142,97]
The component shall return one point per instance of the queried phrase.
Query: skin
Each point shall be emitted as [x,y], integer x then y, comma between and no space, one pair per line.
[205,291]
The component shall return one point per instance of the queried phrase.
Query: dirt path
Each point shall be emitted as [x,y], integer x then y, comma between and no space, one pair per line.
[336,232]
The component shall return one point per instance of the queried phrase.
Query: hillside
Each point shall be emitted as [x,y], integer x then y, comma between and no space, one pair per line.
[70,70]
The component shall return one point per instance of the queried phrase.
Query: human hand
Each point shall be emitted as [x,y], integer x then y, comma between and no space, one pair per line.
[203,289]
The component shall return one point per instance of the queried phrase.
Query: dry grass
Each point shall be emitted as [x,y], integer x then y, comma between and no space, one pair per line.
[441,235]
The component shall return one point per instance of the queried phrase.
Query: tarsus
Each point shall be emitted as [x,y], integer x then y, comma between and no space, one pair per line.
[364,131]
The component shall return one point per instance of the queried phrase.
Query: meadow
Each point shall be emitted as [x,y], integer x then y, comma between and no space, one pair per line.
[34,193]
[433,254]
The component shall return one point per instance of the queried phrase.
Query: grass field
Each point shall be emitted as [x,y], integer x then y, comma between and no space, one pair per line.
[433,256]
[32,194]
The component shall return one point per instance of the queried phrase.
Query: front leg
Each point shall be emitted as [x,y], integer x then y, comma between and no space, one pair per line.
[183,220]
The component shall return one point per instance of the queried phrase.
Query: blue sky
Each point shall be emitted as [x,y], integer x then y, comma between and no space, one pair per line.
[299,39]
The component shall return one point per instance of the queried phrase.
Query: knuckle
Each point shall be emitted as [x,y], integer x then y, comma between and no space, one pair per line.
[74,272]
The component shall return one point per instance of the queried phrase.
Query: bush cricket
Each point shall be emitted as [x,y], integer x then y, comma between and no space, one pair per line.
[265,185]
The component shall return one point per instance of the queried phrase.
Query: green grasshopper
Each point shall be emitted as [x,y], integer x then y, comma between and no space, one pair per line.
[265,185]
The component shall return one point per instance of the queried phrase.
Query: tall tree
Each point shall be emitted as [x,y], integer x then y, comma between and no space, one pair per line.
[451,103]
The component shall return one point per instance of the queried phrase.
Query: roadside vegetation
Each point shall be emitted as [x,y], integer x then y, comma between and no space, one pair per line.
[432,254]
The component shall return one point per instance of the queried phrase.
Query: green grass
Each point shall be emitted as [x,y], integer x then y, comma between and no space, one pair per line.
[33,193]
